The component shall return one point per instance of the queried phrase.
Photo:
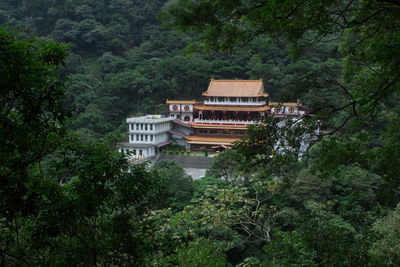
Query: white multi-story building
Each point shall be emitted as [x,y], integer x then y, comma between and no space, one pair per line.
[147,135]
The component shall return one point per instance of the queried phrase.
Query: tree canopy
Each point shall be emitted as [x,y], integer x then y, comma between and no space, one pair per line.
[67,198]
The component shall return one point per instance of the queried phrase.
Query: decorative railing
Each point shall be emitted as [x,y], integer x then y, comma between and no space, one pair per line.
[137,159]
[229,103]
[221,122]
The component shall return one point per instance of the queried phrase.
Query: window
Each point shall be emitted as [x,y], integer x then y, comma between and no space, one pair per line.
[187,118]
[145,127]
[132,137]
[145,137]
[141,137]
[151,138]
[239,132]
[203,131]
[245,99]
[221,99]
[226,132]
[140,152]
[151,127]
[232,99]
[212,99]
[137,126]
[213,131]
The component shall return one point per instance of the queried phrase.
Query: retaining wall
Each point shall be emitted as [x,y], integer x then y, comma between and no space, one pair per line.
[189,161]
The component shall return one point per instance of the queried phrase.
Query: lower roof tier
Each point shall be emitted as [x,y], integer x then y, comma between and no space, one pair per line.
[203,140]
[218,126]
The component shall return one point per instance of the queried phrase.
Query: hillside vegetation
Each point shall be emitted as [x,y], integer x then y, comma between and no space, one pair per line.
[71,71]
[123,62]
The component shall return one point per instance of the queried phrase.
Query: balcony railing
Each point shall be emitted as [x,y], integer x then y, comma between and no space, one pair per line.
[235,103]
[222,122]
[138,159]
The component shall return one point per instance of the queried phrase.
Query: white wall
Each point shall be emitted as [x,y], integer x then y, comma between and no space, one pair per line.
[139,152]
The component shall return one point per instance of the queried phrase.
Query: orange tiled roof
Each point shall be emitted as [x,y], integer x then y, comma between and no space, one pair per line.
[236,88]
[203,140]
[289,104]
[181,101]
[215,126]
[231,108]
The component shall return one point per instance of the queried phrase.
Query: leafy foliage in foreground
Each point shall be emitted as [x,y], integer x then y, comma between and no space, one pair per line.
[63,202]
[333,206]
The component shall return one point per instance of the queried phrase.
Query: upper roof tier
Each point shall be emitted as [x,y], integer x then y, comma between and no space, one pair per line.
[236,88]
[181,101]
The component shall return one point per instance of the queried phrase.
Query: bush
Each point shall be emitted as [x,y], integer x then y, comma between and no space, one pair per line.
[200,252]
[175,146]
[204,149]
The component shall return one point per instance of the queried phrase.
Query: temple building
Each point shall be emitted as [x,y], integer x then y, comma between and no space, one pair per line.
[228,108]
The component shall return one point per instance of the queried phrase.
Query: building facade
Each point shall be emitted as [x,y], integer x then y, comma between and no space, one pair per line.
[228,108]
[147,135]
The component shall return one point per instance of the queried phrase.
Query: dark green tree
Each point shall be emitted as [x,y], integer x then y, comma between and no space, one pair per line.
[63,202]
[32,114]
[176,188]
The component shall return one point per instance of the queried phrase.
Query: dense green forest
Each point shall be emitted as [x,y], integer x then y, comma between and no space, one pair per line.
[71,71]
[122,61]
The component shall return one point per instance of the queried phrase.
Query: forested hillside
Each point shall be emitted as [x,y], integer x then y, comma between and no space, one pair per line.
[122,61]
[71,71]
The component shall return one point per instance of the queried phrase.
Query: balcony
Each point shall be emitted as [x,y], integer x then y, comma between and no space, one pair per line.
[224,122]
[235,103]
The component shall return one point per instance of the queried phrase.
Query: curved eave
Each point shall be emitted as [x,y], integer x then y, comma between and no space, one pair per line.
[181,102]
[198,140]
[233,95]
[218,126]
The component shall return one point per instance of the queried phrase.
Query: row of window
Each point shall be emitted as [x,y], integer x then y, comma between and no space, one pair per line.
[186,118]
[142,126]
[132,151]
[221,131]
[235,99]
[141,137]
